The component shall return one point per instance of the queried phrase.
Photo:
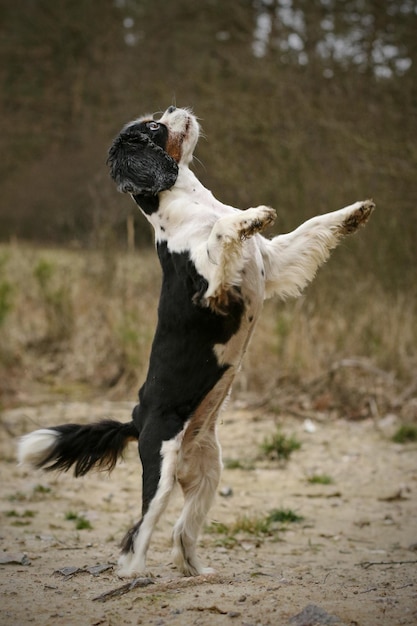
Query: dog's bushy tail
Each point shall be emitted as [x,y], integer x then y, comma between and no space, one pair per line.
[97,446]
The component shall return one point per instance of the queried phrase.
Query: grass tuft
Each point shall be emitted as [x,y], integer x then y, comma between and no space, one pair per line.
[81,523]
[232,464]
[280,446]
[406,433]
[260,526]
[284,516]
[320,479]
[41,489]
[27,513]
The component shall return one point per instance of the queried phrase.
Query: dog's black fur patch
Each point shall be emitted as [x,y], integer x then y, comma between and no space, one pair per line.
[139,163]
[183,367]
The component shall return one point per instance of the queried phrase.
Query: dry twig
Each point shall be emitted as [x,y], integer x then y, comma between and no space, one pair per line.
[368,564]
[120,591]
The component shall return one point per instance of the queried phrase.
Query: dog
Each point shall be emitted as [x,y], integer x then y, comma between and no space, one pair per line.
[217,269]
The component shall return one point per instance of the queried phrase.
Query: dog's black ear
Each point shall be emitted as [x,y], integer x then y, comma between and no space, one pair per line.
[139,166]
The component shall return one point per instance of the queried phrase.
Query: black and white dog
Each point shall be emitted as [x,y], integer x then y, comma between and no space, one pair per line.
[217,271]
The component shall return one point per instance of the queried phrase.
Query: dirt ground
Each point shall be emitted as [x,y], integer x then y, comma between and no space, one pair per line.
[351,560]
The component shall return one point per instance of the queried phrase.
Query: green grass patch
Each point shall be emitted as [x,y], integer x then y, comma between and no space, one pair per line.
[320,479]
[232,464]
[81,523]
[260,526]
[279,446]
[251,525]
[41,489]
[406,433]
[27,513]
[19,496]
[284,516]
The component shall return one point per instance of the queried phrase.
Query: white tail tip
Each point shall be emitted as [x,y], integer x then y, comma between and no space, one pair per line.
[35,447]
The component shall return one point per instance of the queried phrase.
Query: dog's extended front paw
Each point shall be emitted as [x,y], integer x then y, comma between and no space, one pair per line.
[256,220]
[358,217]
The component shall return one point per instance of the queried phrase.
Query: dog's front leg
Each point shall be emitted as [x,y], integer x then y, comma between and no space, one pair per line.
[291,260]
[229,232]
[220,259]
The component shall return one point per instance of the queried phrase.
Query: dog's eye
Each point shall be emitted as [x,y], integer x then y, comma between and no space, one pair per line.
[153,125]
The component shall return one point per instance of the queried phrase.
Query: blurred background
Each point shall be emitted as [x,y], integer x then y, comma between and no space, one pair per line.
[305,105]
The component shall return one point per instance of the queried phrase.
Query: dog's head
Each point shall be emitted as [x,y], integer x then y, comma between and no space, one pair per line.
[145,157]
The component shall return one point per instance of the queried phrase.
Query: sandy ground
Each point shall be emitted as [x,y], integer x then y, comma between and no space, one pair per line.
[351,560]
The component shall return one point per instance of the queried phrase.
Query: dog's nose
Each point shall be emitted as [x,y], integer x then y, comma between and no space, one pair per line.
[171,109]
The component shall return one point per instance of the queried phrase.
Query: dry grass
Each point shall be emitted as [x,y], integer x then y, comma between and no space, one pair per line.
[81,322]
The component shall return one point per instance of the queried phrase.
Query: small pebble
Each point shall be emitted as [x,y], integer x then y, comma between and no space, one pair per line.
[226,492]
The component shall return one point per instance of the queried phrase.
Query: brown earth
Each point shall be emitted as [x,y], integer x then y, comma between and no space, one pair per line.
[351,560]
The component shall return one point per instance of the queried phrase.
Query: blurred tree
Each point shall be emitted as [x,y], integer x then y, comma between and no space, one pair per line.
[307,105]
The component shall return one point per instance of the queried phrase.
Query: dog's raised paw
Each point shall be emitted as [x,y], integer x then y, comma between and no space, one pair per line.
[358,217]
[256,220]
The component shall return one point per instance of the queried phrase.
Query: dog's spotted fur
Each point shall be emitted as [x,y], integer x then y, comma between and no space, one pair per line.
[217,270]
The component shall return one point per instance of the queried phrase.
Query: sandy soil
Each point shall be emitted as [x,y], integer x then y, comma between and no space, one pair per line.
[351,560]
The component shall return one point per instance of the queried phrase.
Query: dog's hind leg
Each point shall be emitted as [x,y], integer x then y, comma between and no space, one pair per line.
[198,473]
[159,462]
